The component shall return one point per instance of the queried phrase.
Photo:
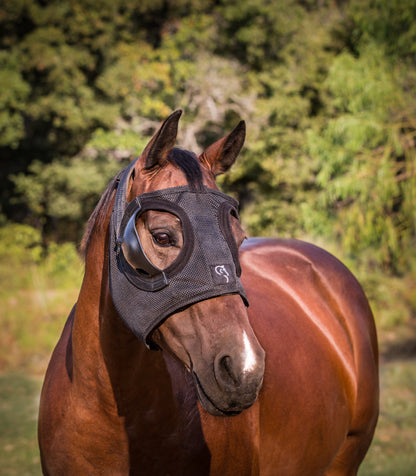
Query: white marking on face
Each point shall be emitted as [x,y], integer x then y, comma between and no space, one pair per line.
[249,357]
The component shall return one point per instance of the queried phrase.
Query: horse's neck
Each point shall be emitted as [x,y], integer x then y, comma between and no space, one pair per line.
[109,362]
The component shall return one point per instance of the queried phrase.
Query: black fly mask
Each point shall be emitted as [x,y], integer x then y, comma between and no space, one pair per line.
[206,266]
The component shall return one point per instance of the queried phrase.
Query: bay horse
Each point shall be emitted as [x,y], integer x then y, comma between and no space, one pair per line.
[153,376]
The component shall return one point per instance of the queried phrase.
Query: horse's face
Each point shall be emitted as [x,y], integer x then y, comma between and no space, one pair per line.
[212,338]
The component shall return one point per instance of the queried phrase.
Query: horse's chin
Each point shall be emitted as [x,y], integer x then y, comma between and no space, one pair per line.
[213,408]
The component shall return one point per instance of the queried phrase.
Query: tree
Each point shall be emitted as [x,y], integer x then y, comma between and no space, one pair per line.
[326,90]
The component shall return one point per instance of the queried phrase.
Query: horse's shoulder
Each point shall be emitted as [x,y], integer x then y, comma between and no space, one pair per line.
[294,260]
[281,250]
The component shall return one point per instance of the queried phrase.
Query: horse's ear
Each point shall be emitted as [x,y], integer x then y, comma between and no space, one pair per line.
[221,155]
[162,142]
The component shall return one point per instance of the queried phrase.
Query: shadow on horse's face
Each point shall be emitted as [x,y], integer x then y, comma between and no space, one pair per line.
[212,338]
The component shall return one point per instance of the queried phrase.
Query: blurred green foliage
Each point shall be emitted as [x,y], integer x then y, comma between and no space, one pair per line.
[367,159]
[36,293]
[327,89]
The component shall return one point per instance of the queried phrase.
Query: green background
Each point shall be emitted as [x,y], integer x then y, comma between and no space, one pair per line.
[328,92]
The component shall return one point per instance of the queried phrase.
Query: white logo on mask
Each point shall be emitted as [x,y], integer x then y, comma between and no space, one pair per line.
[221,271]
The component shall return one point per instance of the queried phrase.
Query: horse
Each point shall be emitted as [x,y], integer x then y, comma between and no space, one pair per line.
[272,369]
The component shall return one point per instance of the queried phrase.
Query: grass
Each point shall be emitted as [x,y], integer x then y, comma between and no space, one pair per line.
[393,451]
[36,295]
[32,320]
[19,397]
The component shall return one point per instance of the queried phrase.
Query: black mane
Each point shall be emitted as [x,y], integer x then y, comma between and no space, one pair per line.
[190,166]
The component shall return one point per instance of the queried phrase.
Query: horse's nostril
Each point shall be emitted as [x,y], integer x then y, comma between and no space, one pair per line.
[226,373]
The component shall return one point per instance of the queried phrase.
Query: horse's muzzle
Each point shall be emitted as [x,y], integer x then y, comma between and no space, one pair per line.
[234,385]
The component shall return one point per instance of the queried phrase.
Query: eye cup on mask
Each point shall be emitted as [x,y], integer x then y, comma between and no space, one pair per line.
[134,261]
[133,250]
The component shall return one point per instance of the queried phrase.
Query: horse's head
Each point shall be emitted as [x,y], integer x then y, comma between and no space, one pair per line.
[175,270]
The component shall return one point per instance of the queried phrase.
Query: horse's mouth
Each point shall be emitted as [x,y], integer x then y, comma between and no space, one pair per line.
[208,403]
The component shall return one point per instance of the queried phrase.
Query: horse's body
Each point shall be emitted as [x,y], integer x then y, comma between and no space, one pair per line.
[111,406]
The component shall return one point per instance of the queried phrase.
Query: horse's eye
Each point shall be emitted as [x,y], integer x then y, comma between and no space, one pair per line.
[161,239]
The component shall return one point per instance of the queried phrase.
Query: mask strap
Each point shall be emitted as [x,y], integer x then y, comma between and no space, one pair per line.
[226,209]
